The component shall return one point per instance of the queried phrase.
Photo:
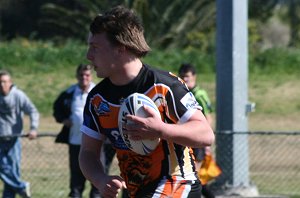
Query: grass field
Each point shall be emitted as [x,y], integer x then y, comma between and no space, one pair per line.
[44,69]
[277,109]
[277,98]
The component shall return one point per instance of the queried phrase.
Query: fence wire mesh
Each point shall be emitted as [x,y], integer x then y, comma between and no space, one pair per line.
[274,165]
[274,161]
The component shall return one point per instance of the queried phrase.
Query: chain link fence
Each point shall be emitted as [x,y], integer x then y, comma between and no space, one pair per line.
[274,160]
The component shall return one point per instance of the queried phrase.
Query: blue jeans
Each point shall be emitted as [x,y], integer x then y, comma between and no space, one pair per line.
[10,159]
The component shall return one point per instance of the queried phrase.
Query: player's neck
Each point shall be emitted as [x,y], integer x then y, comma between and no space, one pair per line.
[127,72]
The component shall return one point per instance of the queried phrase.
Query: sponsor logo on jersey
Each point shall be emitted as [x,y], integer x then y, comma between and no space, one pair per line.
[102,109]
[189,101]
[114,136]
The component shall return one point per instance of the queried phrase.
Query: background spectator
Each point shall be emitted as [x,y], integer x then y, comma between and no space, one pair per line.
[188,73]
[68,110]
[14,103]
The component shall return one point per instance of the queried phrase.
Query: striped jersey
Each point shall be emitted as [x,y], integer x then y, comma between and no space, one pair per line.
[176,104]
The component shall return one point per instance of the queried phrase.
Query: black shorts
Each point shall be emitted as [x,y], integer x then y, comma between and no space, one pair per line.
[174,189]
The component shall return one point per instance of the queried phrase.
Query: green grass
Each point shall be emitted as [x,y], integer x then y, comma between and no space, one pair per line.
[43,70]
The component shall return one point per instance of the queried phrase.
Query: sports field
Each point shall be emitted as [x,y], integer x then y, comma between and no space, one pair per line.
[274,160]
[274,164]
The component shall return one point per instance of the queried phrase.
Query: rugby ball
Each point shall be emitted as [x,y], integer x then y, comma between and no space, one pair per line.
[133,105]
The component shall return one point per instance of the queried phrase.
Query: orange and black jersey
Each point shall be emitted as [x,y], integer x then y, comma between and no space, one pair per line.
[176,105]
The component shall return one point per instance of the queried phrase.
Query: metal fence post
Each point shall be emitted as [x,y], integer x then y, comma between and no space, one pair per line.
[232,91]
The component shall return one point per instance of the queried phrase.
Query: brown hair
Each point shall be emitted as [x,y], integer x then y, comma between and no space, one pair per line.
[122,26]
[83,67]
[4,73]
[185,68]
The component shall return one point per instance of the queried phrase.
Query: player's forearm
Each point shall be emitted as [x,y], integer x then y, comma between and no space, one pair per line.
[193,134]
[91,166]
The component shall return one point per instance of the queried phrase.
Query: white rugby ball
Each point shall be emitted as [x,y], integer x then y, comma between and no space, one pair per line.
[133,105]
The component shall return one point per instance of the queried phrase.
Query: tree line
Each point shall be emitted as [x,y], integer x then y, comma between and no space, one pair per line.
[168,23]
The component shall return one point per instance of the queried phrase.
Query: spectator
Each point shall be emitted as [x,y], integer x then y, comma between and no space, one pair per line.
[116,46]
[14,103]
[68,110]
[188,73]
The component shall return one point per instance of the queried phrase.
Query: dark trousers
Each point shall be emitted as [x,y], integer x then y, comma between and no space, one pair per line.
[206,192]
[77,179]
[109,153]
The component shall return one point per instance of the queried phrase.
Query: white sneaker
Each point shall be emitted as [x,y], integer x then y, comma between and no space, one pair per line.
[26,192]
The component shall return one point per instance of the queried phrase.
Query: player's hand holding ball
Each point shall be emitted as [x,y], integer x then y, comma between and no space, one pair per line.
[140,128]
[140,123]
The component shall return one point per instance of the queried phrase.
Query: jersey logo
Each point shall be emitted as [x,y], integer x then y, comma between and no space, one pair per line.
[102,109]
[189,101]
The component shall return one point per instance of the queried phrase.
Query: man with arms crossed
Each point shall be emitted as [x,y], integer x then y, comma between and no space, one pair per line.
[116,44]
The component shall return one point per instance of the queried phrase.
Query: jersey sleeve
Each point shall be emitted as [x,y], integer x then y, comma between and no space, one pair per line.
[90,125]
[181,103]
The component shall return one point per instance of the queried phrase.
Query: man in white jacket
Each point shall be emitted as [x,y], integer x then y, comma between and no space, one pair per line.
[14,103]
